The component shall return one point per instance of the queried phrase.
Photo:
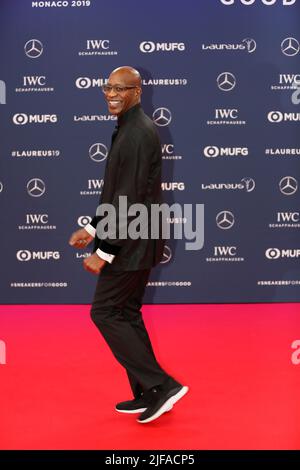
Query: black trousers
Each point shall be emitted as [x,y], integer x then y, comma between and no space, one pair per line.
[116,313]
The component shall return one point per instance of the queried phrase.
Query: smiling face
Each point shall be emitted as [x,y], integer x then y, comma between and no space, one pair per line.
[120,101]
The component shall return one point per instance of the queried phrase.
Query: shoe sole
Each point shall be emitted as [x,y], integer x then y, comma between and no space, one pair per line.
[167,406]
[139,410]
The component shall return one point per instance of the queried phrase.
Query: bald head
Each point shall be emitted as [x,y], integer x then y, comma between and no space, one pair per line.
[128,74]
[125,91]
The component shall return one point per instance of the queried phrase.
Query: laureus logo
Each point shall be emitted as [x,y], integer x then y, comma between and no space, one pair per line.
[250,44]
[167,255]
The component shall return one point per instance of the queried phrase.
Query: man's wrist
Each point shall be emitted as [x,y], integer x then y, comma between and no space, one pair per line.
[91,230]
[105,256]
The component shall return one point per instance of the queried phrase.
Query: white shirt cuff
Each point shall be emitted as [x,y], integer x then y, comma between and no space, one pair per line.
[106,256]
[90,229]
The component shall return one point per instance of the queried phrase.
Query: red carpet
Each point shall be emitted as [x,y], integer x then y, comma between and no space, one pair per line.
[60,382]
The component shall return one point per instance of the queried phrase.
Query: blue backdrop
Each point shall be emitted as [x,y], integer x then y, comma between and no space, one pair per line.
[218,80]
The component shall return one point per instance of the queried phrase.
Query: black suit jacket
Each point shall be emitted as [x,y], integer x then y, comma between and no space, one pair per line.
[133,169]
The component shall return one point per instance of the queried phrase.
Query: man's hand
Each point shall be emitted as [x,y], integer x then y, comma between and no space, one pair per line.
[80,239]
[94,264]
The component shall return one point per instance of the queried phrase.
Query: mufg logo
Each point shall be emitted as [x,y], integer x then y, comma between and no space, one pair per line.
[2,92]
[2,352]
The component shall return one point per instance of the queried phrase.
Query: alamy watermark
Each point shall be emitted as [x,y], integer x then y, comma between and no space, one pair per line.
[295,357]
[151,221]
[2,92]
[296,92]
[2,352]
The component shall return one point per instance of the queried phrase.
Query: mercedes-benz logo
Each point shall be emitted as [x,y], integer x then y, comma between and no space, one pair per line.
[98,152]
[225,220]
[272,253]
[226,81]
[33,48]
[84,220]
[167,255]
[249,184]
[288,185]
[23,255]
[250,44]
[36,187]
[162,117]
[290,46]
[1,187]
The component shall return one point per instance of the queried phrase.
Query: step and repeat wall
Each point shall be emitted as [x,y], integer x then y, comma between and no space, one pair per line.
[220,81]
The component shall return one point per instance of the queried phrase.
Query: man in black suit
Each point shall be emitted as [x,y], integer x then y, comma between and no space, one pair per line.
[133,171]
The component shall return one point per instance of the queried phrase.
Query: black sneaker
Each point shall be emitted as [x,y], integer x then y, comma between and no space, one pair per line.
[138,405]
[161,402]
